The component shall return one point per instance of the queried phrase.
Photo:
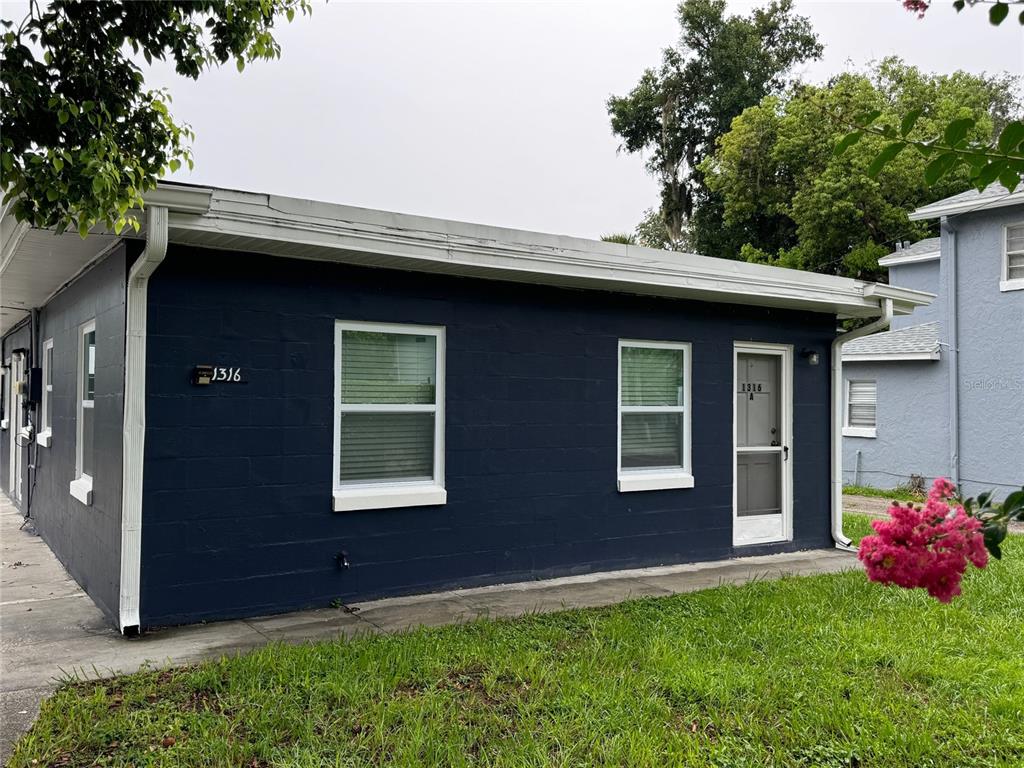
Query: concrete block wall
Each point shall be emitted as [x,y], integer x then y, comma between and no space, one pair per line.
[86,539]
[237,514]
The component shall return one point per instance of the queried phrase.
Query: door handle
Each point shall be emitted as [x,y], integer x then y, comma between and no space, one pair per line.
[785,453]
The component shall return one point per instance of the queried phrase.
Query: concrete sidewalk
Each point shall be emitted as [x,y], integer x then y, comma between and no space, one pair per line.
[49,628]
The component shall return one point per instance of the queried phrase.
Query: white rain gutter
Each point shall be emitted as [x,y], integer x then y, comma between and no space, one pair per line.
[882,323]
[135,415]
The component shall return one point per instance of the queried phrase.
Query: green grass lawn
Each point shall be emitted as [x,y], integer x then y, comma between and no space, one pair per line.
[815,672]
[857,526]
[899,494]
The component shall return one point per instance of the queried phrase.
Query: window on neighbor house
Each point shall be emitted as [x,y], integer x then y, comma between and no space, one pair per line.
[861,406]
[45,434]
[654,416]
[1013,259]
[389,416]
[81,486]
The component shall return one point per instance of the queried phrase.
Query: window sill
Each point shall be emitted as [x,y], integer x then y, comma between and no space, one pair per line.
[45,438]
[859,432]
[81,489]
[352,499]
[1011,285]
[654,481]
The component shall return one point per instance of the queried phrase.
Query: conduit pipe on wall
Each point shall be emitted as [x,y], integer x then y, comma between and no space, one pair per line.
[882,323]
[135,415]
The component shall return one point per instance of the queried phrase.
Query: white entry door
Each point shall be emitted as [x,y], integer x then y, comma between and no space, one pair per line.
[762,489]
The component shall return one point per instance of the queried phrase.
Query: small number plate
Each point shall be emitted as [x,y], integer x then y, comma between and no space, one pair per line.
[215,374]
[753,386]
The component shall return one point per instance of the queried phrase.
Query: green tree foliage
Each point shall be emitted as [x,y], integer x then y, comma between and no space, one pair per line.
[722,65]
[82,138]
[789,199]
[624,238]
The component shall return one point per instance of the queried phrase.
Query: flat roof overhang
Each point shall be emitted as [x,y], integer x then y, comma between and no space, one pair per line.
[36,264]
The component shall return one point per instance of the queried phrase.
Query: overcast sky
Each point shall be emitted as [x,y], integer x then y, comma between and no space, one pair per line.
[494,112]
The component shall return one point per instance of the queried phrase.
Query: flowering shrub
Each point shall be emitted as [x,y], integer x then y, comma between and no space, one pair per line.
[930,546]
[927,547]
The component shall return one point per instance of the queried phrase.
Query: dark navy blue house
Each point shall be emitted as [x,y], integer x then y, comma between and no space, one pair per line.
[260,404]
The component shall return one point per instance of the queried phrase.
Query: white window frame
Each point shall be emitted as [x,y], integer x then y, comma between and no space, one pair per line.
[45,435]
[81,486]
[1005,283]
[5,385]
[399,493]
[656,479]
[851,431]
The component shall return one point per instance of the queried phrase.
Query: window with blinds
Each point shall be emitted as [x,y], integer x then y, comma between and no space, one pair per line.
[1014,253]
[861,401]
[86,399]
[653,413]
[389,415]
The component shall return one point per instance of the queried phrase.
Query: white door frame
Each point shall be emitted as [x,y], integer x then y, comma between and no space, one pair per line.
[765,529]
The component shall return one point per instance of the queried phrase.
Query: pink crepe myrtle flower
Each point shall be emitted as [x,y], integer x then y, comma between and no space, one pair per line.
[927,547]
[917,6]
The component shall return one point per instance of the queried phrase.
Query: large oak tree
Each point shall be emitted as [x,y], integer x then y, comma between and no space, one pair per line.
[722,65]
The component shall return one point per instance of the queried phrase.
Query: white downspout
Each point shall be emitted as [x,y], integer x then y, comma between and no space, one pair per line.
[842,542]
[135,415]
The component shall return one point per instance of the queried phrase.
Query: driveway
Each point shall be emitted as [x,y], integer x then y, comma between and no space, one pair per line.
[50,629]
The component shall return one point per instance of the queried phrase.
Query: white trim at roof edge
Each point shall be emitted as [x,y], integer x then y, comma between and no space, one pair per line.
[914,258]
[135,416]
[295,228]
[953,207]
[892,357]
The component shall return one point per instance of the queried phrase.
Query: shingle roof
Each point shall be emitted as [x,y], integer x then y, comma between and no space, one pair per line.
[921,248]
[921,341]
[993,196]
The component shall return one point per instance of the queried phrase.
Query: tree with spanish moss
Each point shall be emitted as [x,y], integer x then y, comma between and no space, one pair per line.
[722,65]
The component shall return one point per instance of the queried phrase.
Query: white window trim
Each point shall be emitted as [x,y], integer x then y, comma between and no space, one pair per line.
[45,436]
[848,431]
[414,493]
[6,394]
[1005,283]
[81,486]
[656,479]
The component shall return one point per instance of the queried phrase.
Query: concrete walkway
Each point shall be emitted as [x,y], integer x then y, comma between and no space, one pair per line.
[49,628]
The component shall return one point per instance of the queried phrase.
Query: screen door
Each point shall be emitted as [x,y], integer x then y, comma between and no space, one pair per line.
[763,401]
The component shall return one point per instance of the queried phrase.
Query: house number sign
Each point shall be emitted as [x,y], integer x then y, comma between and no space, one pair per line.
[754,386]
[213,374]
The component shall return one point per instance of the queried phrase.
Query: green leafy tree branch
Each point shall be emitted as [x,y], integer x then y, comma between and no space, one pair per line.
[987,162]
[81,137]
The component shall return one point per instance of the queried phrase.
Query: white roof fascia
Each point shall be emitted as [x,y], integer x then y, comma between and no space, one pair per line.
[881,357]
[892,261]
[297,228]
[948,208]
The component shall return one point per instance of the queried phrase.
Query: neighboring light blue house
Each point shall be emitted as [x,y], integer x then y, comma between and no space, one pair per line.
[942,393]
